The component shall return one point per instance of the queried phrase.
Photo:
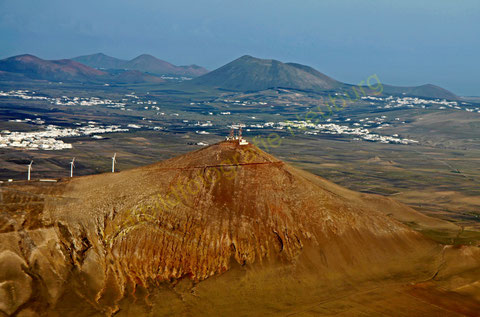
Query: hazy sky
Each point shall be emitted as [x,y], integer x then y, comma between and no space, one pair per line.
[405,42]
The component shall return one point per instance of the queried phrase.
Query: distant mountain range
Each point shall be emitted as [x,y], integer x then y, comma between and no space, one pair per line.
[244,74]
[144,63]
[248,73]
[29,67]
[96,68]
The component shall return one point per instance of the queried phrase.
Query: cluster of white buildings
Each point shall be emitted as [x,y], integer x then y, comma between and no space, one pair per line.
[49,139]
[415,102]
[332,128]
[181,78]
[82,101]
[379,122]
[146,102]
[28,120]
[22,94]
[208,123]
[63,100]
[228,102]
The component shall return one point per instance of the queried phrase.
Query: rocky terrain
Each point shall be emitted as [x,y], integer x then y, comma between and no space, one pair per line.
[224,230]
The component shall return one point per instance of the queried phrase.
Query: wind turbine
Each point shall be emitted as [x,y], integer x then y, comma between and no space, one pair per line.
[29,169]
[72,165]
[114,160]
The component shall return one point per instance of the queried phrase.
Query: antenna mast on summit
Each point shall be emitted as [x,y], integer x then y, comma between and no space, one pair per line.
[238,138]
[241,141]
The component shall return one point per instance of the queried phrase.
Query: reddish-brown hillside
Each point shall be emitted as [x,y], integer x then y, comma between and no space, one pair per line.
[225,230]
[24,67]
[34,67]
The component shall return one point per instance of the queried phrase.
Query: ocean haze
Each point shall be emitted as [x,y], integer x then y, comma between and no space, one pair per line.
[405,43]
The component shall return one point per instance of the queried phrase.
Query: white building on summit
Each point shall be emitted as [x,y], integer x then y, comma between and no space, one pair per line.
[236,138]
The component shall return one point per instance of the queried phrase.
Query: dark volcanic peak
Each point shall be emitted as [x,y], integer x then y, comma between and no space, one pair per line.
[144,63]
[248,73]
[151,64]
[427,91]
[100,60]
[146,58]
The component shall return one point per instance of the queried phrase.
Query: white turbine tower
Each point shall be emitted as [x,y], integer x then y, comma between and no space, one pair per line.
[114,160]
[72,165]
[29,169]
